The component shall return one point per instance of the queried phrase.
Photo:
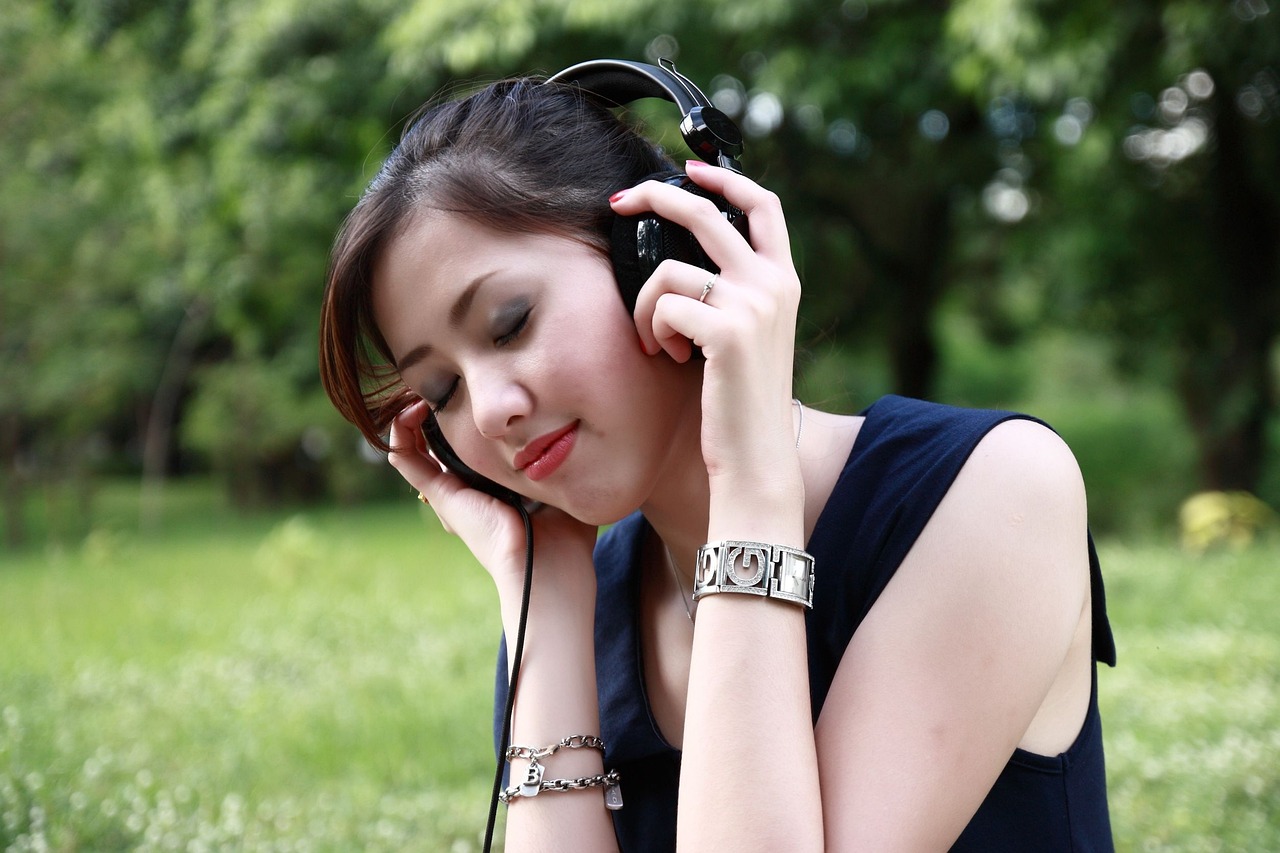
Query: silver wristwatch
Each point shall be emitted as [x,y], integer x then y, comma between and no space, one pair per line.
[754,568]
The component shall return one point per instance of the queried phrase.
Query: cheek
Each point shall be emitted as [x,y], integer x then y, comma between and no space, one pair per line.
[480,457]
[466,445]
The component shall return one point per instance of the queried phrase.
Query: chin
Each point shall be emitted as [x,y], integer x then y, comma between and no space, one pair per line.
[598,512]
[595,517]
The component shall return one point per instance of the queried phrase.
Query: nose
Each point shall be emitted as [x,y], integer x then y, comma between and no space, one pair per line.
[497,401]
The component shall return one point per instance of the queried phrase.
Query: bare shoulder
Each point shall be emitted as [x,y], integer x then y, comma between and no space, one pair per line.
[1024,468]
[1031,451]
[1019,496]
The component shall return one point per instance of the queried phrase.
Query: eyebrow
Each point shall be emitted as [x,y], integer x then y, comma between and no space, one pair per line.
[457,314]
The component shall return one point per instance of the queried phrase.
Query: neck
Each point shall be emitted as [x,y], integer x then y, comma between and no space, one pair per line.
[678,508]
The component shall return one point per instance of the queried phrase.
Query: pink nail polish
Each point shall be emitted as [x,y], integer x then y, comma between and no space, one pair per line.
[617,196]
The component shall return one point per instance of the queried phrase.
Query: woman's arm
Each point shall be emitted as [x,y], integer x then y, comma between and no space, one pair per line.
[749,777]
[556,698]
[556,694]
[985,617]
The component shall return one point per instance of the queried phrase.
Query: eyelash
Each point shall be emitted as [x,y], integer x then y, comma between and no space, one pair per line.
[501,341]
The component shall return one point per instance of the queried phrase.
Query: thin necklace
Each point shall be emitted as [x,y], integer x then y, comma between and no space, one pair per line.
[800,425]
[688,611]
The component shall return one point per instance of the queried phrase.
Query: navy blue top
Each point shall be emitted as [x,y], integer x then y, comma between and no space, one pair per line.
[904,460]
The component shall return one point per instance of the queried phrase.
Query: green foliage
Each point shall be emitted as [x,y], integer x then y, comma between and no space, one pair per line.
[249,417]
[193,158]
[323,681]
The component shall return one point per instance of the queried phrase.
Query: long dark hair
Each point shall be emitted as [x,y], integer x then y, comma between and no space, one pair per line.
[521,156]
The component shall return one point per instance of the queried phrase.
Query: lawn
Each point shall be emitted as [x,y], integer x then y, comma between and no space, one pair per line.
[321,681]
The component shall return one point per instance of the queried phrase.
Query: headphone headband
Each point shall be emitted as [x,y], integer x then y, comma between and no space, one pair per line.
[707,131]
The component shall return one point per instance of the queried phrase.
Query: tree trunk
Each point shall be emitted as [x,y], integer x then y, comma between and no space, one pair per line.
[164,407]
[1226,378]
[14,491]
[918,285]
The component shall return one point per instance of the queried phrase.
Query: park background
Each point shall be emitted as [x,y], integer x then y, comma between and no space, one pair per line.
[225,626]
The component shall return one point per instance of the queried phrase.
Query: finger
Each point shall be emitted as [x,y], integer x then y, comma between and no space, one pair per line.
[672,277]
[722,242]
[678,323]
[409,454]
[406,427]
[762,207]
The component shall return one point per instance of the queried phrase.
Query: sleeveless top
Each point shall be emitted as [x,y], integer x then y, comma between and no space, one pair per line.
[904,460]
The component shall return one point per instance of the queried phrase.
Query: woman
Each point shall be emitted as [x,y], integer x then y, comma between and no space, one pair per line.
[939,694]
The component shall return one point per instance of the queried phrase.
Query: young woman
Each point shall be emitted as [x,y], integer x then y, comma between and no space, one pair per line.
[941,691]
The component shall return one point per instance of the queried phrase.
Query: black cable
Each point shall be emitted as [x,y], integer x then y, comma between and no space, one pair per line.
[505,739]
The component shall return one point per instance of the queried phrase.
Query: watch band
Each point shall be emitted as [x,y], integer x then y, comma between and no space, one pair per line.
[754,568]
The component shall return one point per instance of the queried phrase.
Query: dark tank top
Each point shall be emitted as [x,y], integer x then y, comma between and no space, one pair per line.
[904,460]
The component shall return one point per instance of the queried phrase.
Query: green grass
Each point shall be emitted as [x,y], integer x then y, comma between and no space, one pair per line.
[313,682]
[1191,714]
[322,682]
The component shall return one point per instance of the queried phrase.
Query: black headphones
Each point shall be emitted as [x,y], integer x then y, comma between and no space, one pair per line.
[640,243]
[709,133]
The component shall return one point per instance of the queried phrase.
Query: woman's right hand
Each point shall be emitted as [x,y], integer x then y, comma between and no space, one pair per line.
[489,527]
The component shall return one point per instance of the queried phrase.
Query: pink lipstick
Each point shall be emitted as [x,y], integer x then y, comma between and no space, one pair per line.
[541,457]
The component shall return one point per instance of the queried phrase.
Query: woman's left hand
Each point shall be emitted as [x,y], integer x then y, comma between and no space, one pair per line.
[745,328]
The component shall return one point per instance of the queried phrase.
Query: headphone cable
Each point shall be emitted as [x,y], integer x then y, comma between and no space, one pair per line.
[505,738]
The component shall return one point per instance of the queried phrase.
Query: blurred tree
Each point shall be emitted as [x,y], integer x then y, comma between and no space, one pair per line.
[188,161]
[1159,222]
[73,351]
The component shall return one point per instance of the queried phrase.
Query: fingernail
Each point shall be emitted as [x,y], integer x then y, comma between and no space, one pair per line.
[617,196]
[694,164]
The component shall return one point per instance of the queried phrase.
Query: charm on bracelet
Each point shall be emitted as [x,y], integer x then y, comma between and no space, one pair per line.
[532,784]
[609,781]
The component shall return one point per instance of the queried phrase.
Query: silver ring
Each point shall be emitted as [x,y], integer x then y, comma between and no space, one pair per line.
[706,288]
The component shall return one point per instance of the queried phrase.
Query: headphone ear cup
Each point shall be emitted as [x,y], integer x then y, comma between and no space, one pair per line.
[640,243]
[628,269]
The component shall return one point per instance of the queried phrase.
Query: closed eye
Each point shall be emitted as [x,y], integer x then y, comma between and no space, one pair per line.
[516,329]
[438,404]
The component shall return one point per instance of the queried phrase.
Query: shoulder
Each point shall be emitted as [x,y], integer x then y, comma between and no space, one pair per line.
[991,442]
[1023,464]
[910,454]
[999,501]
[1012,530]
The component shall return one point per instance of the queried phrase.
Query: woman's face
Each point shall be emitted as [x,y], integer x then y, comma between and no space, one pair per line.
[523,348]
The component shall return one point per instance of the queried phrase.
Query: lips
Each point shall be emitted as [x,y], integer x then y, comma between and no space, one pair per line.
[542,456]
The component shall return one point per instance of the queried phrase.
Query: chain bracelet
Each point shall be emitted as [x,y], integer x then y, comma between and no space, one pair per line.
[571,742]
[603,779]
